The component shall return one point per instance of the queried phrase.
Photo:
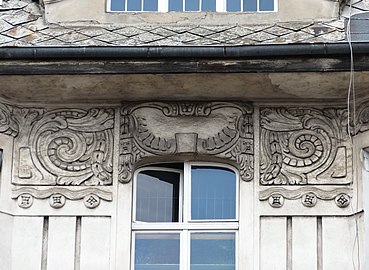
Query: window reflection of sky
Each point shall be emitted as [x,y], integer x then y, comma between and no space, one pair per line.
[215,251]
[193,5]
[157,251]
[213,193]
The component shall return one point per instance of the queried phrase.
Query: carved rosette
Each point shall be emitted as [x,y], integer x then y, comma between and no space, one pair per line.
[64,147]
[162,129]
[304,146]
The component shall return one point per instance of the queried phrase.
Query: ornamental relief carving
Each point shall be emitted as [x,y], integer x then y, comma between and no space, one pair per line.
[60,147]
[304,146]
[158,129]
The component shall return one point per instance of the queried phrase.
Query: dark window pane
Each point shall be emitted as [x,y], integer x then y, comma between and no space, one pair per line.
[157,251]
[150,5]
[134,5]
[250,5]
[175,5]
[215,251]
[213,193]
[192,5]
[157,196]
[233,5]
[266,5]
[208,5]
[118,5]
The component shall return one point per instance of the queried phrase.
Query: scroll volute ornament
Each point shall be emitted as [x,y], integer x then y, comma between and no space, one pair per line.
[304,145]
[160,129]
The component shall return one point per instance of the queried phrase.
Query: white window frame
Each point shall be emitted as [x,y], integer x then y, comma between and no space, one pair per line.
[221,6]
[185,226]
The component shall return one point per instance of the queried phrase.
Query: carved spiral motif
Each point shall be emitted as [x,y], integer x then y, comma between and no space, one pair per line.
[64,152]
[305,149]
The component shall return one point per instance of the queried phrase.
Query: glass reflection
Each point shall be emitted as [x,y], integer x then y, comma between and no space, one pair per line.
[157,251]
[157,196]
[215,251]
[213,193]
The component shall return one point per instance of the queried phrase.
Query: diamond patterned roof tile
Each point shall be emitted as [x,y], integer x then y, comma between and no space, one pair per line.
[163,32]
[261,36]
[278,31]
[202,32]
[5,39]
[129,31]
[18,32]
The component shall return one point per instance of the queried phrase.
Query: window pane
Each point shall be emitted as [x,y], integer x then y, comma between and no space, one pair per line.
[250,5]
[175,5]
[215,251]
[150,5]
[118,5]
[192,5]
[134,5]
[233,5]
[213,193]
[157,251]
[157,196]
[266,5]
[208,5]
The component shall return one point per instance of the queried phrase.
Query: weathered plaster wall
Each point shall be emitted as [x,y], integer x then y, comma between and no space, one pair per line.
[69,11]
[69,182]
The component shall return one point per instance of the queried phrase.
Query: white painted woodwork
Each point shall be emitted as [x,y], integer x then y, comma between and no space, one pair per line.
[61,243]
[273,243]
[246,227]
[338,243]
[304,243]
[6,226]
[95,243]
[27,243]
[123,227]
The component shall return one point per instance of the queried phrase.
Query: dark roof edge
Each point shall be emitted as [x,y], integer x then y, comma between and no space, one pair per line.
[210,52]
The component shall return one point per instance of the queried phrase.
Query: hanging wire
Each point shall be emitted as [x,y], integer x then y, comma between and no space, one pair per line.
[351,94]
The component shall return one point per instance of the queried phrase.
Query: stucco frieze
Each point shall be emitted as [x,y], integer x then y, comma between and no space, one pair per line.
[61,146]
[158,129]
[304,145]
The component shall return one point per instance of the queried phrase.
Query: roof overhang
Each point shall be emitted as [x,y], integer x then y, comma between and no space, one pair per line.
[309,72]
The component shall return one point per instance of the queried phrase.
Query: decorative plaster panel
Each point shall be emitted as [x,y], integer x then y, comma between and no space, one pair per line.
[301,145]
[60,147]
[161,129]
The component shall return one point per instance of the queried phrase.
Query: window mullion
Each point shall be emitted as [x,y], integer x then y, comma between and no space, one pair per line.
[184,259]
[186,193]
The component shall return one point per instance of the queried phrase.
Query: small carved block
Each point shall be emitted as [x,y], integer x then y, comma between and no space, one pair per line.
[57,200]
[276,200]
[309,199]
[91,201]
[25,200]
[342,200]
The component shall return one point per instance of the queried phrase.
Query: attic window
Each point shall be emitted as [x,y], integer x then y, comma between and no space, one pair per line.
[192,5]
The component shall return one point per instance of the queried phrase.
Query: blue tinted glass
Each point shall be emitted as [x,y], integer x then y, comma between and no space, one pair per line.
[208,5]
[118,5]
[175,5]
[233,5]
[157,196]
[134,5]
[157,251]
[150,5]
[266,5]
[250,5]
[213,193]
[215,251]
[192,5]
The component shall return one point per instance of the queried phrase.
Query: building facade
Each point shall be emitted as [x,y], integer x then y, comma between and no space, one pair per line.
[226,135]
